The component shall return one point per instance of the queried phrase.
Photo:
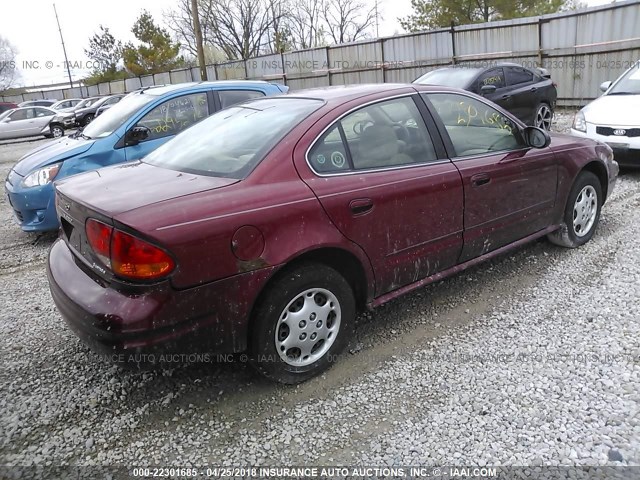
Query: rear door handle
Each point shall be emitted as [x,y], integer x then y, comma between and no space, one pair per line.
[360,206]
[480,179]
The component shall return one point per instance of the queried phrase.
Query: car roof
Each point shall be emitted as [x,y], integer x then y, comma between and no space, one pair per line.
[164,89]
[348,92]
[340,92]
[25,108]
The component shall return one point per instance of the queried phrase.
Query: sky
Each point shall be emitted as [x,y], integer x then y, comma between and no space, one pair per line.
[30,25]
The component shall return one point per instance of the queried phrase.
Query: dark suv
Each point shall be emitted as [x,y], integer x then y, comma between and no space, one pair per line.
[528,93]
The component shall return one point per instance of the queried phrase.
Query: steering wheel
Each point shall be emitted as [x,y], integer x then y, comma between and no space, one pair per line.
[402,132]
[359,126]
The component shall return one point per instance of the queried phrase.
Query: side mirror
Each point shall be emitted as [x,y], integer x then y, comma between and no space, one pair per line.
[536,137]
[604,86]
[487,89]
[6,120]
[136,135]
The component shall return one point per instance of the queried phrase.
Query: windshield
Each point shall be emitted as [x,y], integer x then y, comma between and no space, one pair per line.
[450,77]
[4,114]
[105,124]
[87,102]
[231,142]
[629,83]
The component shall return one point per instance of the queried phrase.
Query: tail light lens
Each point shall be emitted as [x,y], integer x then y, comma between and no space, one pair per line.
[127,256]
[99,236]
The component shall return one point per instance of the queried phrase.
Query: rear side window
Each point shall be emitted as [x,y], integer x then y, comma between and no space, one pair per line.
[231,97]
[517,75]
[495,77]
[385,134]
[21,114]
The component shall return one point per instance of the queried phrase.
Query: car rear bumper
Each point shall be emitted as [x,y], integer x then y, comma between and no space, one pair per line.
[157,319]
[34,208]
[626,150]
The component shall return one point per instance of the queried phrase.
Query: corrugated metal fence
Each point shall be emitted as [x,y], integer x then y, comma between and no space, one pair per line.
[581,49]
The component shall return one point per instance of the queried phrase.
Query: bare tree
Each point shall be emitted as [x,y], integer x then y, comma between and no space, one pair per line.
[348,20]
[9,74]
[239,28]
[180,24]
[305,24]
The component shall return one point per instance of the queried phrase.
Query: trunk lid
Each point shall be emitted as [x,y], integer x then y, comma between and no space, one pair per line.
[127,186]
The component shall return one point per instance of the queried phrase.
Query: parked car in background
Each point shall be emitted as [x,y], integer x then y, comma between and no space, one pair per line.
[85,115]
[265,227]
[4,106]
[37,103]
[29,122]
[66,105]
[614,118]
[133,128]
[527,93]
[103,109]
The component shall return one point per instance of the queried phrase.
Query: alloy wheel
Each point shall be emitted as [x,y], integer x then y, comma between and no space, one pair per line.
[544,115]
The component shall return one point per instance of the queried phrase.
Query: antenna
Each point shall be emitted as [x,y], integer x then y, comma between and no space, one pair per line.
[66,60]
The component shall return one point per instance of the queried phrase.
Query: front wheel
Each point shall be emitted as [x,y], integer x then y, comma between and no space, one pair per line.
[302,323]
[57,131]
[87,120]
[543,117]
[581,213]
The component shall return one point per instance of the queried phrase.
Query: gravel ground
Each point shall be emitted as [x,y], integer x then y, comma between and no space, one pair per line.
[530,359]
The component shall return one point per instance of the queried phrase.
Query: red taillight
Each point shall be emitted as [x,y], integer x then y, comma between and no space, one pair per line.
[126,255]
[99,236]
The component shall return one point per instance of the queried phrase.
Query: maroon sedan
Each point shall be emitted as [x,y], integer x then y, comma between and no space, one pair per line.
[267,226]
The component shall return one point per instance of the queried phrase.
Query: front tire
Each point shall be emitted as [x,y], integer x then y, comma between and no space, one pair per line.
[57,131]
[581,213]
[87,120]
[543,116]
[303,321]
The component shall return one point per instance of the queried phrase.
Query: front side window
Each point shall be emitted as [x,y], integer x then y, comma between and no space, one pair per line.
[385,134]
[231,97]
[175,115]
[42,112]
[474,127]
[518,75]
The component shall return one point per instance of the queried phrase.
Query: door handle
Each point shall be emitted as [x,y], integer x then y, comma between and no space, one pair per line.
[532,89]
[506,97]
[360,206]
[480,179]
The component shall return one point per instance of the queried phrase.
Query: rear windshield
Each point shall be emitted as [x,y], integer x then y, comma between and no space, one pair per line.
[231,142]
[449,77]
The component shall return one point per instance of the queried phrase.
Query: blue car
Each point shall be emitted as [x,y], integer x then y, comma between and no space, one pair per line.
[134,127]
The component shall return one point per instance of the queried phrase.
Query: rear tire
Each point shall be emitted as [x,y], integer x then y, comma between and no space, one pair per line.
[303,321]
[581,213]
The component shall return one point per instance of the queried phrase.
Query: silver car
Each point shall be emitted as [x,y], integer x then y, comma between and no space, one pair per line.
[29,122]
